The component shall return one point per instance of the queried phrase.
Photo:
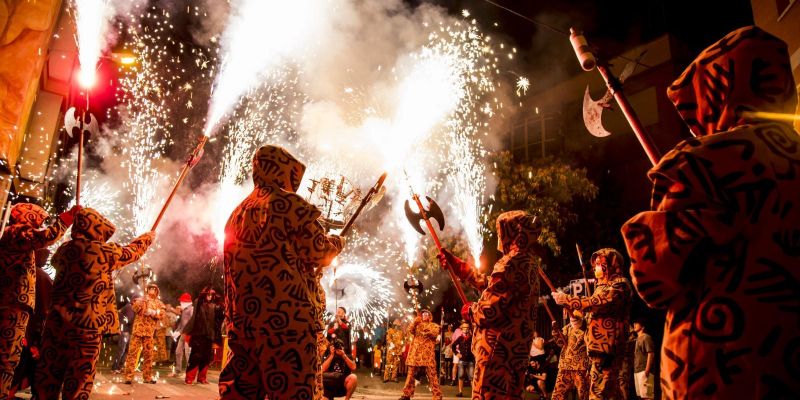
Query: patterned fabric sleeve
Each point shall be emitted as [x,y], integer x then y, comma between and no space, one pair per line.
[124,255]
[31,239]
[660,242]
[560,340]
[602,297]
[475,279]
[315,248]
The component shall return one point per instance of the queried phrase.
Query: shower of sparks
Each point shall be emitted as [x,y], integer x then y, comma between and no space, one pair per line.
[259,37]
[91,21]
[361,285]
[268,114]
[522,85]
[146,94]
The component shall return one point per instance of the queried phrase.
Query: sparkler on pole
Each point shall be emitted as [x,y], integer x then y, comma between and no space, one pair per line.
[423,214]
[81,123]
[371,194]
[190,163]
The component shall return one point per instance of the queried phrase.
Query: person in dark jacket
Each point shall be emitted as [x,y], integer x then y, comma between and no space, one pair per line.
[200,333]
[126,316]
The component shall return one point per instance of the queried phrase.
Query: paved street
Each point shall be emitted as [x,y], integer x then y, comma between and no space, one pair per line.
[108,386]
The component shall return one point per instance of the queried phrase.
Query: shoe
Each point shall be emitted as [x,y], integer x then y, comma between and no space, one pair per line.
[187,383]
[152,382]
[129,382]
[459,394]
[405,398]
[203,382]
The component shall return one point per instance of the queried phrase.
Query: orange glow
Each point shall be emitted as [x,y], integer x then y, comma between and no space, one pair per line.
[87,78]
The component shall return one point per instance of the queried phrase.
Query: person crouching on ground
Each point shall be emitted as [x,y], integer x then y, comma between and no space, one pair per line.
[338,378]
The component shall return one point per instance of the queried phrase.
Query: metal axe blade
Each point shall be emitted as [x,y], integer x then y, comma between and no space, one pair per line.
[91,126]
[70,121]
[433,211]
[593,110]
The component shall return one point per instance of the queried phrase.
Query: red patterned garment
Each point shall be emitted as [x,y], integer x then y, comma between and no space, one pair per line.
[274,246]
[504,315]
[720,248]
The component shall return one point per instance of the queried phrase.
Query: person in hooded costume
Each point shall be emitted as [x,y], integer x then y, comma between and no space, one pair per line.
[150,311]
[83,307]
[394,351]
[421,354]
[21,238]
[573,365]
[719,248]
[274,246]
[201,333]
[608,312]
[503,317]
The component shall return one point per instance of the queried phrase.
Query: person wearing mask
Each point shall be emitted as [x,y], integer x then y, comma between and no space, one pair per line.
[607,333]
[182,348]
[149,312]
[421,355]
[274,248]
[126,316]
[466,360]
[503,317]
[573,365]
[84,305]
[338,378]
[718,248]
[200,333]
[20,239]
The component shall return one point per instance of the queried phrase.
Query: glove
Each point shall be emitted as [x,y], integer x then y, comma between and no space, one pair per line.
[149,237]
[450,261]
[67,217]
[341,240]
[187,338]
[559,297]
[465,312]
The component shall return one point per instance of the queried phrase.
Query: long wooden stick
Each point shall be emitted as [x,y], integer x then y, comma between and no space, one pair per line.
[189,164]
[367,198]
[546,280]
[453,277]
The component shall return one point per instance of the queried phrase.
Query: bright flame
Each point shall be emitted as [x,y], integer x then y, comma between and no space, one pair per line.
[91,18]
[261,34]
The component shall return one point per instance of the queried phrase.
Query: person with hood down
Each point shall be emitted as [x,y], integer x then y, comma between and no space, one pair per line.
[83,307]
[21,238]
[150,311]
[503,317]
[719,249]
[273,247]
[608,312]
[201,333]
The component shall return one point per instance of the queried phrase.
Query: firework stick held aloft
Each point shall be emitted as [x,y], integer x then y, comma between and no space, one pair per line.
[191,162]
[546,280]
[414,219]
[583,269]
[367,198]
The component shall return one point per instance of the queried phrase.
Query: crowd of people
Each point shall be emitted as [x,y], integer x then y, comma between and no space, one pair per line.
[718,250]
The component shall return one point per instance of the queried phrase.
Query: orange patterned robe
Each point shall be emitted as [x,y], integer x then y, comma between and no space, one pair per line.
[84,307]
[149,314]
[421,354]
[18,280]
[573,365]
[720,248]
[273,247]
[505,313]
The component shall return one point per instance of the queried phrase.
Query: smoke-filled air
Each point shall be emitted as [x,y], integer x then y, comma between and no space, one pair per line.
[352,88]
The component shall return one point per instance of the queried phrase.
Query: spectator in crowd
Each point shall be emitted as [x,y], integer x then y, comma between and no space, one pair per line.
[182,349]
[340,329]
[338,378]
[126,317]
[363,348]
[536,376]
[643,362]
[466,360]
[395,345]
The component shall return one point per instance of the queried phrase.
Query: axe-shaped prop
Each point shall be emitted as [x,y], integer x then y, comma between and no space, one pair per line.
[425,215]
[588,62]
[85,123]
[190,163]
[374,195]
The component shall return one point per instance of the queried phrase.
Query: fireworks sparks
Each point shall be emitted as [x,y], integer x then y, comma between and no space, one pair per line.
[91,19]
[522,85]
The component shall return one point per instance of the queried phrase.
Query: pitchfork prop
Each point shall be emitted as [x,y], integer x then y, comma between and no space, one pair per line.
[425,215]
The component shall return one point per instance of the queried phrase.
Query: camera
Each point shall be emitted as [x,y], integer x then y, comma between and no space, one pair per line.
[338,344]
